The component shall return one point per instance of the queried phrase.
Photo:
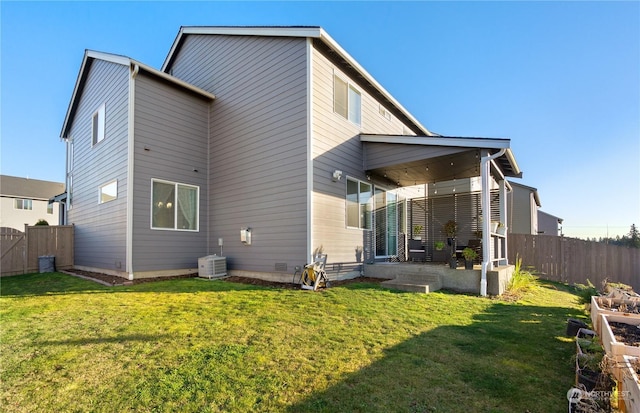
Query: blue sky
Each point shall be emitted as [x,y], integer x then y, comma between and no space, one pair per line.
[560,79]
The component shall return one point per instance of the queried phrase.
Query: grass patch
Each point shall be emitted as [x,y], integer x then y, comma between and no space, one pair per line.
[194,345]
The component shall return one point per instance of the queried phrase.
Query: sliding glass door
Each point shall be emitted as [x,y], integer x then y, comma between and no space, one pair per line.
[386,223]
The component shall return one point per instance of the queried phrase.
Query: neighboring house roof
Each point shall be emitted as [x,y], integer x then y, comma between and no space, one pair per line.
[134,65]
[15,187]
[528,188]
[313,32]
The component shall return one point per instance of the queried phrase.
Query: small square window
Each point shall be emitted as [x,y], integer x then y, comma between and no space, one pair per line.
[108,192]
[385,113]
[26,204]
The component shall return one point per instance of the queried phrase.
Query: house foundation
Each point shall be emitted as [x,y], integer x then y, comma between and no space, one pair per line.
[431,277]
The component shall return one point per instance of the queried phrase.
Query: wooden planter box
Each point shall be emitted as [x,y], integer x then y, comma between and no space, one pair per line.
[613,347]
[599,306]
[629,385]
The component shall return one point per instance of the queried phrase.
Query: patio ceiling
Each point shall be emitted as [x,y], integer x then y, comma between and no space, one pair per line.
[411,160]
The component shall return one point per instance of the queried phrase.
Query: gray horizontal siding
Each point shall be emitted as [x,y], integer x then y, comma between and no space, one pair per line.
[171,140]
[100,228]
[258,144]
[336,145]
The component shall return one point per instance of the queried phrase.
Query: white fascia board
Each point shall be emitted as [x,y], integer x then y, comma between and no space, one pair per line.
[485,143]
[109,57]
[309,32]
[88,54]
[125,61]
[174,80]
[313,32]
[254,31]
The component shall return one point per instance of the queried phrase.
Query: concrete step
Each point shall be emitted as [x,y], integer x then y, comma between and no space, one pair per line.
[417,287]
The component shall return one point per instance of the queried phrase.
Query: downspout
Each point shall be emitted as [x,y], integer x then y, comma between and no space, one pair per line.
[130,177]
[485,175]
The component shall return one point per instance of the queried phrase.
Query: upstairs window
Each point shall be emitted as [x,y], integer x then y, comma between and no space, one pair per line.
[26,204]
[97,125]
[346,100]
[174,206]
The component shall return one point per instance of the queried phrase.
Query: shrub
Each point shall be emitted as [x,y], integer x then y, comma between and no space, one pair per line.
[42,222]
[521,282]
[585,291]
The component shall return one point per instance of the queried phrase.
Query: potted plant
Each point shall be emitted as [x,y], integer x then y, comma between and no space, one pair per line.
[450,228]
[438,245]
[591,362]
[494,226]
[469,255]
[453,261]
[502,229]
[417,229]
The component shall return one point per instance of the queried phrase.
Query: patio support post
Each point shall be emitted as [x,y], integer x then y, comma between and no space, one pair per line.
[485,177]
[503,219]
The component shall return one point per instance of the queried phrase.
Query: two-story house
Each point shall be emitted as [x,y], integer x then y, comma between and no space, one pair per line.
[25,201]
[272,132]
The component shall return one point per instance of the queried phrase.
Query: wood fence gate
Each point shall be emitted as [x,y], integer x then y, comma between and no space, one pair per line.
[21,250]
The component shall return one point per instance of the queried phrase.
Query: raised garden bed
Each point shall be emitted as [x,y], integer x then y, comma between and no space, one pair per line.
[608,305]
[629,384]
[620,335]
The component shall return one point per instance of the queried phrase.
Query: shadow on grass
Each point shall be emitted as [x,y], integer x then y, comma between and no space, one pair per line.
[29,285]
[104,340]
[512,358]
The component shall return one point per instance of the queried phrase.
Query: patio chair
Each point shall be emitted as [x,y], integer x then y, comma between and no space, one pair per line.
[417,251]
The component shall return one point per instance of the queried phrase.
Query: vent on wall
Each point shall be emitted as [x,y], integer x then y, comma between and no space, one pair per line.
[281,266]
[212,266]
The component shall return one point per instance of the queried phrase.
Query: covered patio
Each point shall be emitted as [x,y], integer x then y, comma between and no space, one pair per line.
[440,169]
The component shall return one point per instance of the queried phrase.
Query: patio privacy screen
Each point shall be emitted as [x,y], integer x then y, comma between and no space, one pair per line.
[464,208]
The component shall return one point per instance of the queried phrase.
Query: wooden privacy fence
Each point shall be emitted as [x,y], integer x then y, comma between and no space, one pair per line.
[21,250]
[571,260]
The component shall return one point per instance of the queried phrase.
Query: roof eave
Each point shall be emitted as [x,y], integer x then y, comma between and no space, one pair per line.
[91,55]
[308,32]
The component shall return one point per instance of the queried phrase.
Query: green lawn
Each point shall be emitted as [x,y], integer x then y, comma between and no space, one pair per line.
[193,345]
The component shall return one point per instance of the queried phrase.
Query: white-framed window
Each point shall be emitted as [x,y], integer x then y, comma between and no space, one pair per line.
[347,100]
[174,206]
[26,204]
[358,201]
[108,192]
[97,125]
[384,112]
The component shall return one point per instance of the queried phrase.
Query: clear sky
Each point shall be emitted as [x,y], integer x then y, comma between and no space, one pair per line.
[560,79]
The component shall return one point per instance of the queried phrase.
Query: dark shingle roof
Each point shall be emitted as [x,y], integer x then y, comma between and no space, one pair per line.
[12,186]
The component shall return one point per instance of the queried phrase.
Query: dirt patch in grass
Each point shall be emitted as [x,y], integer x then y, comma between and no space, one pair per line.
[114,280]
[291,286]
